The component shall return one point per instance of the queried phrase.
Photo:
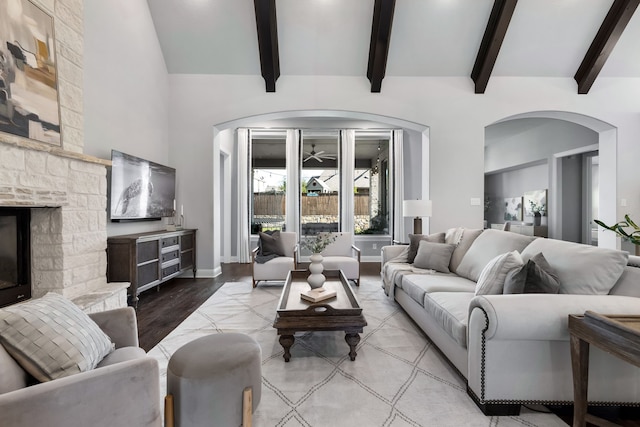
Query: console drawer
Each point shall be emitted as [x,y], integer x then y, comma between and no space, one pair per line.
[169,241]
[170,255]
[168,271]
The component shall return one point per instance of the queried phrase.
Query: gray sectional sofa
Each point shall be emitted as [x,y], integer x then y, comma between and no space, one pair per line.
[513,349]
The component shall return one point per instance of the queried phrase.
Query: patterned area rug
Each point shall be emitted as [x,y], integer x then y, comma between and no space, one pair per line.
[398,378]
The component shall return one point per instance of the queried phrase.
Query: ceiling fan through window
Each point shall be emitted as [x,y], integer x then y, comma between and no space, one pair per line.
[319,156]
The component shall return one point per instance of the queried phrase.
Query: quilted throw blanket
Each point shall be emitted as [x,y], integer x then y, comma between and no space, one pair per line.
[394,270]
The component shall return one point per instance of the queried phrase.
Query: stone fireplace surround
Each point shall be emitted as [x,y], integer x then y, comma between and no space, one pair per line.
[67,194]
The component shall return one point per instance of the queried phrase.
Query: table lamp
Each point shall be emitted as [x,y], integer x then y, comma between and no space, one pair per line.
[417,209]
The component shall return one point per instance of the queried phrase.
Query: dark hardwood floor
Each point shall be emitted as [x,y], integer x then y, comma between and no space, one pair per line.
[161,310]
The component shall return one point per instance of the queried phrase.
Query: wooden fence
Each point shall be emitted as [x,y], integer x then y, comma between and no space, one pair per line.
[322,204]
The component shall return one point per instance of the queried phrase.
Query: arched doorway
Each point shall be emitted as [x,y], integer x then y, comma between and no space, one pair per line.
[606,145]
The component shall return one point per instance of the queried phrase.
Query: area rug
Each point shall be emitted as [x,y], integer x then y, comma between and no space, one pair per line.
[398,378]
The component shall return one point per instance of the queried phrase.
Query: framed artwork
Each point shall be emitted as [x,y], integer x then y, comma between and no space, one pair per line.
[513,209]
[29,104]
[535,202]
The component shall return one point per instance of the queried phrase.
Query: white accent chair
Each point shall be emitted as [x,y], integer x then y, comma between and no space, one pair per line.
[343,255]
[277,268]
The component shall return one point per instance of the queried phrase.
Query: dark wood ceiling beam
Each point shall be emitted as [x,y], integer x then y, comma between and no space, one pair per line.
[379,46]
[602,45]
[491,42]
[267,28]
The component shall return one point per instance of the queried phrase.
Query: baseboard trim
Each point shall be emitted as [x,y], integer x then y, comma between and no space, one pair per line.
[203,273]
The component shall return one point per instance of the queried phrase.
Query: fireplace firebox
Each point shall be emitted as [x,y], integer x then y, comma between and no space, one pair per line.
[15,259]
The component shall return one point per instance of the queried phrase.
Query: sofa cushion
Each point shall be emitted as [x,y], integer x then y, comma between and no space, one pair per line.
[450,310]
[13,376]
[433,256]
[417,285]
[122,354]
[492,277]
[51,337]
[274,269]
[487,246]
[349,265]
[414,242]
[462,239]
[582,269]
[341,245]
[535,277]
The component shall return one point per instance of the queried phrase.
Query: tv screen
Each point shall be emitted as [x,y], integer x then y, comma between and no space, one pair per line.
[140,189]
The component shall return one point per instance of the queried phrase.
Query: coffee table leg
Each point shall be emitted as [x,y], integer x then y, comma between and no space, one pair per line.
[286,341]
[352,340]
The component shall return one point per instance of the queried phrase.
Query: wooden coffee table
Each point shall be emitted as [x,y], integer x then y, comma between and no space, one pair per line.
[341,313]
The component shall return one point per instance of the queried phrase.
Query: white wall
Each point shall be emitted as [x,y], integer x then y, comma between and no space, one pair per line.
[522,141]
[456,116]
[126,98]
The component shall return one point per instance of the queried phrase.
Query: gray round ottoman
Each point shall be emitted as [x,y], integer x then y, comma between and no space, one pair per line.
[208,378]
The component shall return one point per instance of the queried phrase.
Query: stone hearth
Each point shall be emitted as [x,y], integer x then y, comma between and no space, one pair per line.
[68,195]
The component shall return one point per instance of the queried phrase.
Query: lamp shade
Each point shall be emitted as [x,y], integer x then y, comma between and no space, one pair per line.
[416,208]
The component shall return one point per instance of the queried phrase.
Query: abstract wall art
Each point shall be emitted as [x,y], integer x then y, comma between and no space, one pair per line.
[29,104]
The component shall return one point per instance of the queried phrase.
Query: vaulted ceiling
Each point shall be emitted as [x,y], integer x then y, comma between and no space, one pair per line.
[580,39]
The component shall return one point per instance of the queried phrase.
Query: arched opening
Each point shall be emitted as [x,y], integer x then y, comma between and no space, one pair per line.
[603,141]
[224,146]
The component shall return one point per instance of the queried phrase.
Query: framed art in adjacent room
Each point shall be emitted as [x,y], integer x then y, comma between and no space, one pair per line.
[513,209]
[29,104]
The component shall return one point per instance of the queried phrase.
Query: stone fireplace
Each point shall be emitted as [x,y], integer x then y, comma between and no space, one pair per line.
[67,195]
[65,190]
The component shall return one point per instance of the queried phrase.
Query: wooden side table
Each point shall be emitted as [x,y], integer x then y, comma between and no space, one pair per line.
[615,334]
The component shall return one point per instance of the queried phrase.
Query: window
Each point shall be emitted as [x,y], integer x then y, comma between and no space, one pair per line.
[320,182]
[320,162]
[268,180]
[371,183]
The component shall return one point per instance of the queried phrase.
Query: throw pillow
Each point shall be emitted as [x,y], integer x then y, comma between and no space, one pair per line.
[488,245]
[493,275]
[50,337]
[535,277]
[433,256]
[414,241]
[270,244]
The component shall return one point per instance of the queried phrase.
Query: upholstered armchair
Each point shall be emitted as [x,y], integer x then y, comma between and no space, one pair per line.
[277,268]
[123,390]
[343,255]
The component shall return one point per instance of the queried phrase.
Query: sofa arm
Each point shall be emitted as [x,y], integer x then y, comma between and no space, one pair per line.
[390,252]
[539,316]
[122,394]
[120,324]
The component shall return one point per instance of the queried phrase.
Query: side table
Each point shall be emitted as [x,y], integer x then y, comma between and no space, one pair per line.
[615,334]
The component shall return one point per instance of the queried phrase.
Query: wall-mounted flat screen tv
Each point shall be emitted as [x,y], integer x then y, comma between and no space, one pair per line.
[140,189]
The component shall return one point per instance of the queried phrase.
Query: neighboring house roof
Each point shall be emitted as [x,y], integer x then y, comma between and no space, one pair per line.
[316,184]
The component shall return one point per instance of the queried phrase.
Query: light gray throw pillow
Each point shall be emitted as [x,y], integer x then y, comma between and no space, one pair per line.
[469,235]
[415,239]
[50,337]
[493,275]
[489,244]
[433,256]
